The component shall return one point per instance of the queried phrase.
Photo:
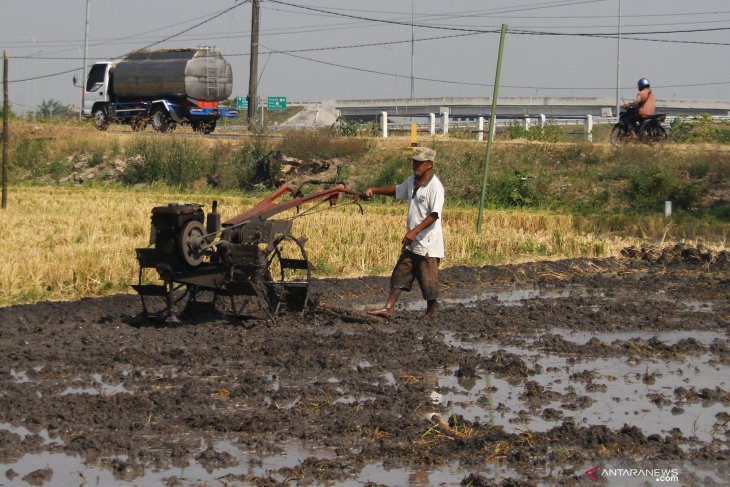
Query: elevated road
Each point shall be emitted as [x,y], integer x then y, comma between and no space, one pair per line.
[514,107]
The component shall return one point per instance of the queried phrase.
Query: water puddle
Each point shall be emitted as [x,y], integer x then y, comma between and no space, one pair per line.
[637,393]
[667,337]
[512,297]
[517,297]
[23,432]
[19,377]
[71,470]
[98,387]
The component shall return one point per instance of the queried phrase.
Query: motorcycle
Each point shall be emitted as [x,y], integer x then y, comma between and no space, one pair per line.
[648,130]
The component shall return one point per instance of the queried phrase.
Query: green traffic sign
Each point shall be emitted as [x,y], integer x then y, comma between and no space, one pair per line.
[242,103]
[276,103]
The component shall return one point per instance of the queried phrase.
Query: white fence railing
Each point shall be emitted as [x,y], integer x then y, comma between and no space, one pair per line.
[479,125]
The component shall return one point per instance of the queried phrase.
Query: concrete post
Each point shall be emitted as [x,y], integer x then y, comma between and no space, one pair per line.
[542,122]
[384,124]
[445,115]
[432,124]
[526,123]
[480,129]
[589,127]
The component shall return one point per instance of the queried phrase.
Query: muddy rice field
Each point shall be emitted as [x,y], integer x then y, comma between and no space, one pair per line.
[576,372]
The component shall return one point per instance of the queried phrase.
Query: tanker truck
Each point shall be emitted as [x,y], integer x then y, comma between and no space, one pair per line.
[163,88]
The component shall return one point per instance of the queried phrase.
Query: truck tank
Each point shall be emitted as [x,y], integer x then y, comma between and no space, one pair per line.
[199,73]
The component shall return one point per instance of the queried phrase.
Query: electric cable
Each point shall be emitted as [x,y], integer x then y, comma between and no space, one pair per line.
[195,26]
[146,47]
[465,83]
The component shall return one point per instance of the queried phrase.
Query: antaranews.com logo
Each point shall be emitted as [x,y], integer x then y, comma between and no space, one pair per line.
[658,474]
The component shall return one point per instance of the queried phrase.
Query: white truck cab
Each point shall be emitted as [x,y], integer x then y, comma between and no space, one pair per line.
[96,88]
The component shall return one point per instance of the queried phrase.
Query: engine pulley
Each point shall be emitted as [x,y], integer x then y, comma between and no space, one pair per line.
[191,237]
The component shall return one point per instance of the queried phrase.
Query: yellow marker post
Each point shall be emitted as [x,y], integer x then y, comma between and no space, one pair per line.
[414,135]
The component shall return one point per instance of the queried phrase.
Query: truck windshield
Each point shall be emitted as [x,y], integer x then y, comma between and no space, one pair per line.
[96,76]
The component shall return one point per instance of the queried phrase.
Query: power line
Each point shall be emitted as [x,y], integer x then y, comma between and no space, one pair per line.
[101,41]
[655,24]
[320,28]
[146,47]
[513,31]
[196,25]
[422,39]
[465,83]
[43,76]
[468,13]
[281,31]
[613,34]
[464,32]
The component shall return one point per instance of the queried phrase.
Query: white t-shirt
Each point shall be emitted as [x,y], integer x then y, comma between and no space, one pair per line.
[428,199]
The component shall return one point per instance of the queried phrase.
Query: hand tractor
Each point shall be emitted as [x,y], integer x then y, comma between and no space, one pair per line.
[250,266]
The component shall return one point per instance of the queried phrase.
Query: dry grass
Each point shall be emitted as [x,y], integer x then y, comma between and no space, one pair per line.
[440,430]
[66,243]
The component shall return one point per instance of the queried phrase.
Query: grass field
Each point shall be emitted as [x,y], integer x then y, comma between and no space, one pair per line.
[545,200]
[64,243]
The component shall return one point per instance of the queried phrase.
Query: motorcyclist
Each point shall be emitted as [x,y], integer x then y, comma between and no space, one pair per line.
[641,108]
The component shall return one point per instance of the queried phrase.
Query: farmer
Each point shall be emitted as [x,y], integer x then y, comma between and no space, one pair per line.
[423,243]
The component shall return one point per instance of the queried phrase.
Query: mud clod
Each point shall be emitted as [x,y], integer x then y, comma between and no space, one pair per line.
[39,477]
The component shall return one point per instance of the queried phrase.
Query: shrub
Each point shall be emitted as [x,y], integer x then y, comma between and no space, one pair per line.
[30,152]
[393,172]
[515,131]
[512,190]
[256,164]
[550,132]
[176,162]
[311,144]
[699,169]
[462,133]
[705,130]
[681,129]
[350,128]
[649,186]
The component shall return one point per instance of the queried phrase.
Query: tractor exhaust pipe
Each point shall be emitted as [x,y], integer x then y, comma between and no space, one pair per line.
[213,223]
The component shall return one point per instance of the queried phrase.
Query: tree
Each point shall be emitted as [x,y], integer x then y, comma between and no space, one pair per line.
[10,112]
[50,109]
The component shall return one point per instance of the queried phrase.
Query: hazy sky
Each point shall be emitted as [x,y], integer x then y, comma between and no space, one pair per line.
[324,51]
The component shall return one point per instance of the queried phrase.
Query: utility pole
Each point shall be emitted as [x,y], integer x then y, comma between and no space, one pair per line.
[86,57]
[618,59]
[254,66]
[412,49]
[6,130]
[492,126]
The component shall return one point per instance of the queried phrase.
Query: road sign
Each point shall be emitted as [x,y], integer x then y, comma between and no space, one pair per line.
[276,103]
[242,103]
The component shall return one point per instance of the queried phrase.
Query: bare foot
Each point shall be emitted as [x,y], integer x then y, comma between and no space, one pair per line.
[382,313]
[431,311]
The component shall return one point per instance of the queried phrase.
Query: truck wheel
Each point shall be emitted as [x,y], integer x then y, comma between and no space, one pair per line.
[160,120]
[100,120]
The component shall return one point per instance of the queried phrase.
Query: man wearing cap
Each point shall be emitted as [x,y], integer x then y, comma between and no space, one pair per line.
[423,243]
